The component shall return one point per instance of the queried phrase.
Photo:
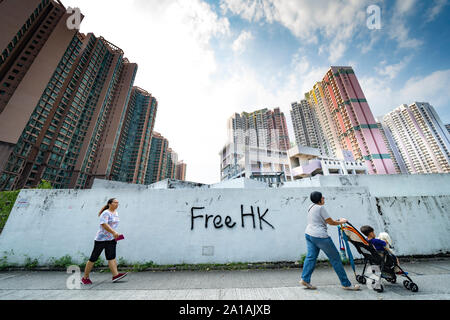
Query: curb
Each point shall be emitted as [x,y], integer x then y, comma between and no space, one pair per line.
[227,267]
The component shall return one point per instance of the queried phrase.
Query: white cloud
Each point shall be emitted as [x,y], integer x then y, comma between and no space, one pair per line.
[337,50]
[391,71]
[239,45]
[398,30]
[375,36]
[250,9]
[404,7]
[432,88]
[336,20]
[436,9]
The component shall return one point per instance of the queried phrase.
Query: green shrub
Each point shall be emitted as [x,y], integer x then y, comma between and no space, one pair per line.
[7,200]
[100,263]
[302,259]
[30,263]
[62,262]
[44,184]
[143,266]
[121,262]
[4,264]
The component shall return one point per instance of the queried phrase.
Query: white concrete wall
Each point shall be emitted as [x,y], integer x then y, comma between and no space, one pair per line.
[384,185]
[157,223]
[240,183]
[164,184]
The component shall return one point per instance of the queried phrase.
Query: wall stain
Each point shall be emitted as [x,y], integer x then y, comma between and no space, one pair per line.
[378,206]
[395,199]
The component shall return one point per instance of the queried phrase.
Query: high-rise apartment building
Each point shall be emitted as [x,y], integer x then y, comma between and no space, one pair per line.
[111,85]
[307,129]
[131,159]
[162,162]
[68,110]
[77,120]
[276,122]
[397,159]
[330,141]
[356,126]
[447,126]
[172,160]
[27,28]
[257,146]
[421,138]
[72,134]
[37,48]
[158,153]
[180,172]
[262,128]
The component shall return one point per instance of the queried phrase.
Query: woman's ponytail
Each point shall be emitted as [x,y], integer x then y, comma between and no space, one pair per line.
[106,207]
[103,209]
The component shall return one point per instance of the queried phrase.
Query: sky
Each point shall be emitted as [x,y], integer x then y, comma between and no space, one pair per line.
[204,60]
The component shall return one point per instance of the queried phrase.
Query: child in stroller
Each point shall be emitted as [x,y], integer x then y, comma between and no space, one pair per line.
[383,245]
[375,252]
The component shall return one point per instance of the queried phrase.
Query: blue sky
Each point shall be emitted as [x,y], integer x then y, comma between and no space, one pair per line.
[204,60]
[389,60]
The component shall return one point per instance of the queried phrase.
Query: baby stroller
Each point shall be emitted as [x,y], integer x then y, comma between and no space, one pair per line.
[382,264]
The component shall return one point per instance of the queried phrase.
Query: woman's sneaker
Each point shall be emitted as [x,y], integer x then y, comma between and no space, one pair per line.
[119,276]
[86,281]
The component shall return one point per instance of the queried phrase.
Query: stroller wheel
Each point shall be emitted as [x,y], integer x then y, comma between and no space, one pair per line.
[413,287]
[406,284]
[381,289]
[361,279]
[393,280]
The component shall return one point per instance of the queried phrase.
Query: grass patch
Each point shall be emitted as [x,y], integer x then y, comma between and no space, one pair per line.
[4,264]
[302,259]
[7,200]
[30,263]
[62,262]
[151,266]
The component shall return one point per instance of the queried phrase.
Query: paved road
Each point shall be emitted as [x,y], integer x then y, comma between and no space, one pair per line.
[432,277]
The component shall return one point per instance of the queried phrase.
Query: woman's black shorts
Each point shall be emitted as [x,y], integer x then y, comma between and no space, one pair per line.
[110,250]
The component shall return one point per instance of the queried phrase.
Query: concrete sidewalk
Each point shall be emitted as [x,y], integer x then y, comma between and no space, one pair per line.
[432,277]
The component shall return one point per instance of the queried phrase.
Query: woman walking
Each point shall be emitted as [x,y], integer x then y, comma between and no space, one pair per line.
[106,240]
[317,239]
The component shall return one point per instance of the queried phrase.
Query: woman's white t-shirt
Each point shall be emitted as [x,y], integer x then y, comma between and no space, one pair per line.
[112,219]
[317,226]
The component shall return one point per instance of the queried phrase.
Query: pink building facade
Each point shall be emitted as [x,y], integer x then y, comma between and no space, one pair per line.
[355,123]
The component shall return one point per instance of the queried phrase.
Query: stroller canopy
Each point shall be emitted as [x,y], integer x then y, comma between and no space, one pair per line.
[353,234]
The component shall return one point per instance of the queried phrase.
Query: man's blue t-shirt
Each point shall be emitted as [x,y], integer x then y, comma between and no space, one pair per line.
[378,244]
